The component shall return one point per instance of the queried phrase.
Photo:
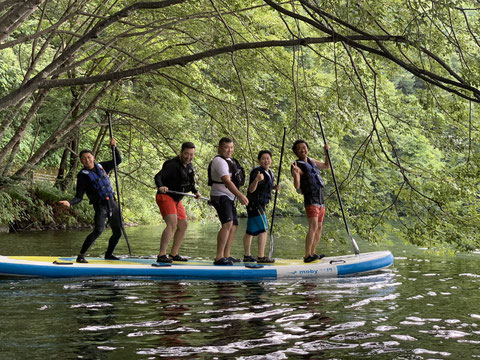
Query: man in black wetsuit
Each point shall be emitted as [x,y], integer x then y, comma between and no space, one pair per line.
[93,180]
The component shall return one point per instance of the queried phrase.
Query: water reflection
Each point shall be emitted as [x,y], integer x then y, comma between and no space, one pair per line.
[424,307]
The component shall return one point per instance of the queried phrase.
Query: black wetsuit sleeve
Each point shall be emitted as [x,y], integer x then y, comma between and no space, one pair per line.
[192,182]
[109,165]
[82,183]
[253,175]
[169,171]
[158,178]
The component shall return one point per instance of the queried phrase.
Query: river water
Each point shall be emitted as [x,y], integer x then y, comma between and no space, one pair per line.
[424,307]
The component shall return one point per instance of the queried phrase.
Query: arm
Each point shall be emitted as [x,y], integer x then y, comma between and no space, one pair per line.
[158,182]
[118,156]
[233,189]
[81,186]
[296,173]
[253,185]
[194,189]
[109,165]
[326,164]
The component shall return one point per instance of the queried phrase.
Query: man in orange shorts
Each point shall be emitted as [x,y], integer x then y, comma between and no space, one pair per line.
[177,175]
[307,179]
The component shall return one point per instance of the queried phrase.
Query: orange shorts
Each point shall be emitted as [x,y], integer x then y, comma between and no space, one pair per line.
[315,211]
[168,206]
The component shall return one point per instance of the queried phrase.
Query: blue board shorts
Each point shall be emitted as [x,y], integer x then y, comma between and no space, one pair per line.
[256,222]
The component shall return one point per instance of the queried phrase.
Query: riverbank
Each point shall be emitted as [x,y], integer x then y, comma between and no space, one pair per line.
[35,207]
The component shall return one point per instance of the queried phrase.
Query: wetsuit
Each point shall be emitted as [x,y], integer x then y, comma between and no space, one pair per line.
[104,208]
[176,177]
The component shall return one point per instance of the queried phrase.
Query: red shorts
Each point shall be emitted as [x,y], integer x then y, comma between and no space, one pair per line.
[315,211]
[168,206]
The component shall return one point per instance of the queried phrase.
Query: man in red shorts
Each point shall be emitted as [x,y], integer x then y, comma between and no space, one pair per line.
[307,179]
[177,175]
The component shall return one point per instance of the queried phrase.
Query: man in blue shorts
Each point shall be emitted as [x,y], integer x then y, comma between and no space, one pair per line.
[259,192]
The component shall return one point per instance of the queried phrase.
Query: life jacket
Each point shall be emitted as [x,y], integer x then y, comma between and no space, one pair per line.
[234,167]
[100,182]
[262,194]
[313,182]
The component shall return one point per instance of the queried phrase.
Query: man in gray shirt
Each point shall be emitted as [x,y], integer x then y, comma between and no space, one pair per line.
[224,179]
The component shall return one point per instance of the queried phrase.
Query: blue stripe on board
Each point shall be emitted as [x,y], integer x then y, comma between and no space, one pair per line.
[365,265]
[166,273]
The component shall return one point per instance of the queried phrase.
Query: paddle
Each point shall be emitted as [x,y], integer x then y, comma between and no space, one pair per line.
[109,117]
[187,194]
[354,243]
[270,254]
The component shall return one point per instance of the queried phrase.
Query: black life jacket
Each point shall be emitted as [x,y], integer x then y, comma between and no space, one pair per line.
[312,182]
[261,196]
[100,182]
[234,167]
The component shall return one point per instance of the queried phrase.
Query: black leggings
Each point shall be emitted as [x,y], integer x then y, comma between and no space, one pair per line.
[103,211]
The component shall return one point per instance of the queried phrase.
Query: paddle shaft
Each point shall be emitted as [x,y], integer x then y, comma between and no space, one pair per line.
[354,243]
[270,254]
[109,117]
[187,194]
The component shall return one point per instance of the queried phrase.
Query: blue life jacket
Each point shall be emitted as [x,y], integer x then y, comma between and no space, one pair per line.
[261,196]
[313,182]
[101,182]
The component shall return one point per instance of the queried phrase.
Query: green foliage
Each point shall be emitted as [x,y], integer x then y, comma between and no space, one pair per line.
[33,208]
[406,153]
[8,211]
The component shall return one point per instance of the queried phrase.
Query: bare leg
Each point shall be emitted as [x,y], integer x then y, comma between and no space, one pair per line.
[262,240]
[318,235]
[222,239]
[171,222]
[310,238]
[179,236]
[247,242]
[231,237]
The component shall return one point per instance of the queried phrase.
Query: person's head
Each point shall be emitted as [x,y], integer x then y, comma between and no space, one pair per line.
[300,148]
[225,147]
[265,159]
[187,152]
[87,159]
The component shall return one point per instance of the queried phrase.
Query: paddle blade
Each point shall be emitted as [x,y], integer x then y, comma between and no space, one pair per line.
[270,253]
[356,250]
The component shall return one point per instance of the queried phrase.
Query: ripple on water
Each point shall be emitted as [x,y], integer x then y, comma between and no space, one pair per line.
[128,325]
[247,316]
[431,352]
[372,299]
[91,306]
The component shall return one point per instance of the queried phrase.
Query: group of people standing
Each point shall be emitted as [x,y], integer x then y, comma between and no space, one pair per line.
[225,178]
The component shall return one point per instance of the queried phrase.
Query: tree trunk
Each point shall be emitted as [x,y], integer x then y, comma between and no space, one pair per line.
[73,163]
[10,117]
[59,182]
[20,132]
[16,16]
[57,136]
[98,142]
